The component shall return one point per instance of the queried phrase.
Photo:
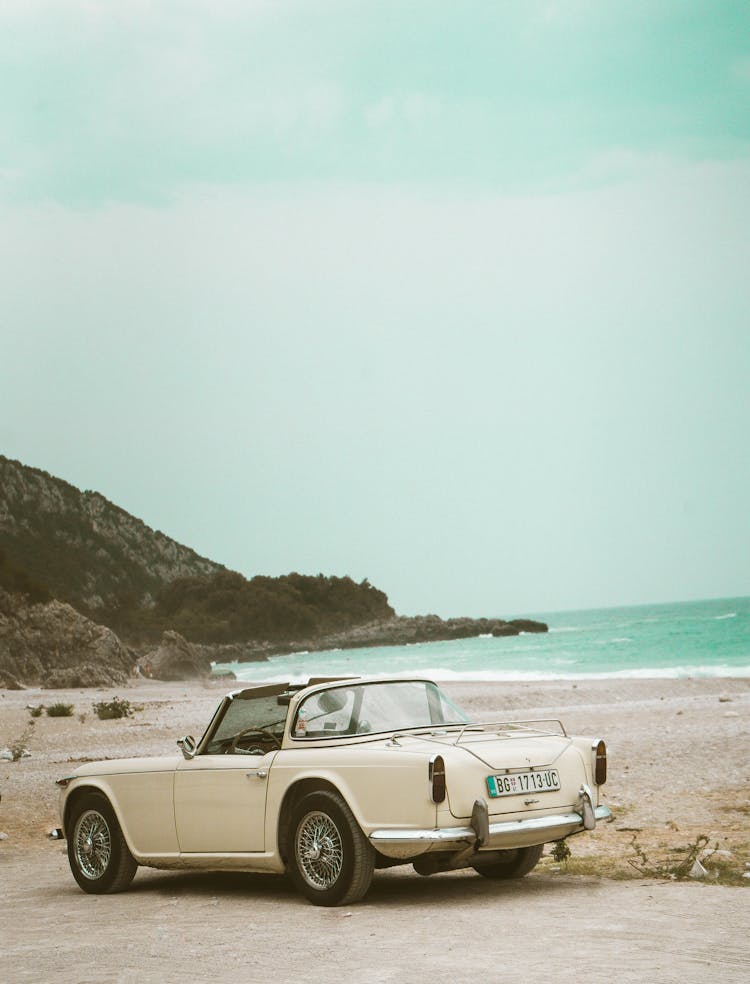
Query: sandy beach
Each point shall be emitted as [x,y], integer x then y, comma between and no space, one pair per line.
[679,768]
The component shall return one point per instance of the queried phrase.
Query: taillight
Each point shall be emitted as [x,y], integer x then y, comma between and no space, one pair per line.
[436,776]
[599,751]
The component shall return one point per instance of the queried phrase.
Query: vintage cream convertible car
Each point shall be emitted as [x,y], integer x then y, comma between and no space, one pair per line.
[331,780]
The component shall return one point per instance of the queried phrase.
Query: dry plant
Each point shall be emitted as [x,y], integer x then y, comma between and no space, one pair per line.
[18,747]
[676,868]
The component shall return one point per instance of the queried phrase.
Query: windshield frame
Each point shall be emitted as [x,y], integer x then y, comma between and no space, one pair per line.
[279,690]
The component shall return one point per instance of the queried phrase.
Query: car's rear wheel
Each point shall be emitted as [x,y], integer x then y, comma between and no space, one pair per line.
[512,864]
[98,855]
[330,860]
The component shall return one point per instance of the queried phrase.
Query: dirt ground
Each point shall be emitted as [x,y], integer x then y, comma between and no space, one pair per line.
[679,768]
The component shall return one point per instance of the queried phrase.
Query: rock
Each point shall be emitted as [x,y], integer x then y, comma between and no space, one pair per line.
[3,837]
[505,630]
[9,682]
[176,659]
[51,643]
[224,676]
[85,675]
[724,699]
[528,625]
[6,755]
[731,714]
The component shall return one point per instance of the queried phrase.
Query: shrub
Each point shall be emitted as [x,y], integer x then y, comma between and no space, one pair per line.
[561,852]
[677,868]
[60,711]
[107,710]
[36,712]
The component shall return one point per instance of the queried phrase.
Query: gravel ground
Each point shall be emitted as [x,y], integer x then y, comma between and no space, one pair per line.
[679,767]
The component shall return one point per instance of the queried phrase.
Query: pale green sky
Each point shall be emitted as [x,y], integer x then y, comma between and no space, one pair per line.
[134,101]
[451,296]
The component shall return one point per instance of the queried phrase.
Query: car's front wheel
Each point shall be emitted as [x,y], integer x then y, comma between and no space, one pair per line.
[330,860]
[512,864]
[98,855]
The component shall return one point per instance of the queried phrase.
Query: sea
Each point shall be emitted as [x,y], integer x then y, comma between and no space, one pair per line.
[686,639]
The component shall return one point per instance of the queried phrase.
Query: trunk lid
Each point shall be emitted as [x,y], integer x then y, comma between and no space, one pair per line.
[516,774]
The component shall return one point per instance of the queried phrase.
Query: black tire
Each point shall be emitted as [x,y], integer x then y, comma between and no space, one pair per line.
[514,864]
[98,855]
[330,860]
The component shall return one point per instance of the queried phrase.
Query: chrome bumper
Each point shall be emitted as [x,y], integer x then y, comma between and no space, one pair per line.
[499,836]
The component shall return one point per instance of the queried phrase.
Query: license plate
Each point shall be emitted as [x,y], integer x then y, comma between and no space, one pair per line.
[544,781]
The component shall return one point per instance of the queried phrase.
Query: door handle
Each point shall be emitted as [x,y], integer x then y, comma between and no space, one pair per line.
[258,774]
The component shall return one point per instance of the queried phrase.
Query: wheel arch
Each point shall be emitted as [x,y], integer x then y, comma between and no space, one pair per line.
[84,789]
[292,796]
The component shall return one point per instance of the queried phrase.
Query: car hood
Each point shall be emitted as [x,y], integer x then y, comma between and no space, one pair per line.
[110,767]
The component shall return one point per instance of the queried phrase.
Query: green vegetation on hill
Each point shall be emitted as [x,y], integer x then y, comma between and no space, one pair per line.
[226,607]
[15,580]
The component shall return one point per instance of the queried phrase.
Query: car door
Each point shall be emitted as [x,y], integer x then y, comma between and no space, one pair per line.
[220,803]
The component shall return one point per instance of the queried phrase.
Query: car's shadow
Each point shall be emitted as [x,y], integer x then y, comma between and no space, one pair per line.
[201,884]
[392,887]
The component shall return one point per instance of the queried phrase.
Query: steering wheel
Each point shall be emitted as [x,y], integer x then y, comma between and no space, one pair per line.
[263,732]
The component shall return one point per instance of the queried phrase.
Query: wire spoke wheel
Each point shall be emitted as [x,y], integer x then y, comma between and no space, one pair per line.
[320,852]
[98,853]
[329,859]
[92,844]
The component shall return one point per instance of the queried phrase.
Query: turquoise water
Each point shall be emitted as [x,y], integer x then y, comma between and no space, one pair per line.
[696,639]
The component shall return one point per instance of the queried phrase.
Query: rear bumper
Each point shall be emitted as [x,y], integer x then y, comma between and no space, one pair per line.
[499,836]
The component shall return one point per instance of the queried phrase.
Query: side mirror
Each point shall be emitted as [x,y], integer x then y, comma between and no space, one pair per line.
[188,746]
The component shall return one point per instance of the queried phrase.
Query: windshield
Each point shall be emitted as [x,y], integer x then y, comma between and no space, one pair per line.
[373,708]
[259,713]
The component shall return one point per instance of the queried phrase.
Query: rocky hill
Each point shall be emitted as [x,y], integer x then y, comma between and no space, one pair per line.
[82,548]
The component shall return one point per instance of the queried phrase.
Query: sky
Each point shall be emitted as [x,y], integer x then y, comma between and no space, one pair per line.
[452,297]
